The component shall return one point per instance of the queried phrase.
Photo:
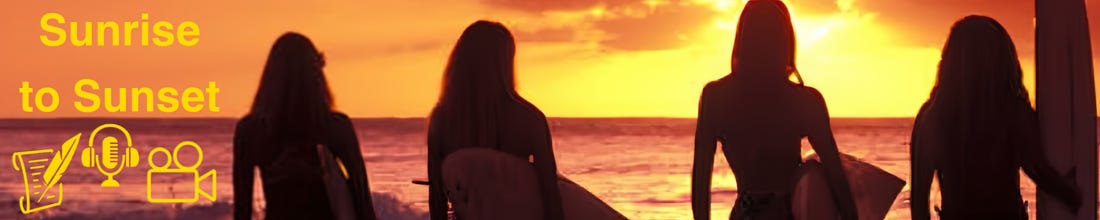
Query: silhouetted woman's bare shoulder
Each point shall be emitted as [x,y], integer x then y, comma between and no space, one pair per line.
[759,116]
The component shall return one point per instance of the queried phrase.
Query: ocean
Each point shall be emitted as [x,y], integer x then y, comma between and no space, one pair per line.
[640,166]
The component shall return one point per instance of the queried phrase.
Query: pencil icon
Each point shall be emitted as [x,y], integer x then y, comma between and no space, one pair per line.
[42,170]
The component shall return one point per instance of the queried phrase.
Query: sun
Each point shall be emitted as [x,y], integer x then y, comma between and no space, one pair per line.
[809,29]
[724,5]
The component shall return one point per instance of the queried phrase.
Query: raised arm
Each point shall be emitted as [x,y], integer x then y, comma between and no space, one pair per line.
[437,201]
[1034,161]
[821,138]
[242,176]
[922,166]
[546,170]
[703,163]
[345,145]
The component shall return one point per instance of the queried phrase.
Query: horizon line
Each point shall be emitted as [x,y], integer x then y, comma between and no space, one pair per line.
[396,117]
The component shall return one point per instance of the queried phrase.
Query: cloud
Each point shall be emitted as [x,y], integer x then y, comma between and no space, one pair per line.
[665,27]
[658,25]
[927,23]
[557,5]
[612,24]
[561,34]
[815,7]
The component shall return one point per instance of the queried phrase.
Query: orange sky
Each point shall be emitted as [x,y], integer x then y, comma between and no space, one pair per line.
[576,58]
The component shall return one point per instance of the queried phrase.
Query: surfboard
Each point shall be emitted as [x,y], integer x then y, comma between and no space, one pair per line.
[873,189]
[1066,102]
[336,185]
[488,184]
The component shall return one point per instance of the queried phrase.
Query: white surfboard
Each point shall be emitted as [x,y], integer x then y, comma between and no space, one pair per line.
[488,184]
[873,189]
[1066,101]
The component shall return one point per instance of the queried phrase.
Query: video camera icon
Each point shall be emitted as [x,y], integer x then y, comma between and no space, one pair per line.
[188,172]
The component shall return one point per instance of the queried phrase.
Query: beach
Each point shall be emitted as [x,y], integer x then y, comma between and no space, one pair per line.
[640,166]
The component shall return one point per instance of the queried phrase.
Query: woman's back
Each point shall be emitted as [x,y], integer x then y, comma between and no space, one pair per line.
[523,128]
[982,180]
[761,127]
[290,169]
[519,130]
[979,178]
[760,132]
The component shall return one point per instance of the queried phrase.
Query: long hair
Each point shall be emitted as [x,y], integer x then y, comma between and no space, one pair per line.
[979,81]
[293,99]
[764,45]
[478,80]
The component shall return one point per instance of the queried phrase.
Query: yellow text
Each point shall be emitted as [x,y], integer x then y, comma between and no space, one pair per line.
[164,33]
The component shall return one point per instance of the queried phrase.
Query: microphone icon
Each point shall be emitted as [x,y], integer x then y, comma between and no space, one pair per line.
[110,157]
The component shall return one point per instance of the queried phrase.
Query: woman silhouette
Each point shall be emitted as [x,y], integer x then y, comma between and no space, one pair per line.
[479,107]
[760,117]
[292,114]
[978,129]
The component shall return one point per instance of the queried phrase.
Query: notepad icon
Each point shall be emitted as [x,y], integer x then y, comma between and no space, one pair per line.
[42,171]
